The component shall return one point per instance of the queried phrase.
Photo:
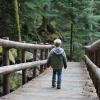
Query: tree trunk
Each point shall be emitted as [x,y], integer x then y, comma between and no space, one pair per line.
[17,25]
[90,24]
[71,42]
[45,19]
[71,34]
[17,28]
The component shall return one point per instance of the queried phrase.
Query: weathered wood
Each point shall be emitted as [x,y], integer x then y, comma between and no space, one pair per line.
[46,56]
[5,61]
[98,92]
[98,58]
[41,57]
[13,44]
[76,85]
[17,67]
[6,70]
[6,84]
[5,56]
[46,53]
[95,71]
[34,59]
[24,77]
[94,46]
[93,64]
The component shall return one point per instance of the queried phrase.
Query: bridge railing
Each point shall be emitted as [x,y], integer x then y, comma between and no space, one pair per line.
[92,59]
[7,69]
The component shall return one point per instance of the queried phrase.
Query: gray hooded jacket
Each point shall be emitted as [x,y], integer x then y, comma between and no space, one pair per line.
[57,58]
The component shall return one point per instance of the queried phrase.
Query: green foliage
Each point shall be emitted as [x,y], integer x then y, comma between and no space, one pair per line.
[58,14]
[12,55]
[54,18]
[29,56]
[15,81]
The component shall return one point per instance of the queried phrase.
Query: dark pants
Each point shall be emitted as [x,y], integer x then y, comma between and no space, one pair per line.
[57,73]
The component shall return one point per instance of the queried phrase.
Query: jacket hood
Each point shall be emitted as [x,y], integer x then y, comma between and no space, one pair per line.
[57,50]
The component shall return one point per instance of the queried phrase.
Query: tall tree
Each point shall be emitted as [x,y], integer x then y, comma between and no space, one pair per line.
[71,31]
[17,24]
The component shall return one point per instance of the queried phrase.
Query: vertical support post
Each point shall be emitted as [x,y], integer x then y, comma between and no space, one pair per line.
[24,77]
[6,77]
[95,57]
[91,58]
[46,56]
[46,53]
[98,92]
[41,57]
[34,59]
[98,58]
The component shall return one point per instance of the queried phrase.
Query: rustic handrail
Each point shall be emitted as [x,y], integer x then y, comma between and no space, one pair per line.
[13,44]
[94,72]
[12,68]
[7,69]
[92,59]
[94,46]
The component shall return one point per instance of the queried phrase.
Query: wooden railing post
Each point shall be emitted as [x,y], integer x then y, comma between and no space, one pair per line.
[5,61]
[34,59]
[24,77]
[98,92]
[46,52]
[98,58]
[46,56]
[41,57]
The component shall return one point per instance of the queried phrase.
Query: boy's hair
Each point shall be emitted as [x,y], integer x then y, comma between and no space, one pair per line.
[57,42]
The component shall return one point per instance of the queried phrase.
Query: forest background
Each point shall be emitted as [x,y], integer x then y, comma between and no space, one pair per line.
[75,22]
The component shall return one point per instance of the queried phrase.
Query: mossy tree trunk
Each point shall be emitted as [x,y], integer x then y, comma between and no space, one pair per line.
[17,28]
[17,24]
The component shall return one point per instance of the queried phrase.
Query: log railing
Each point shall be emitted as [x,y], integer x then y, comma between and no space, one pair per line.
[7,69]
[92,59]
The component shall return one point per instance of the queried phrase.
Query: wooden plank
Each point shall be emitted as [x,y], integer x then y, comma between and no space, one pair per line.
[76,85]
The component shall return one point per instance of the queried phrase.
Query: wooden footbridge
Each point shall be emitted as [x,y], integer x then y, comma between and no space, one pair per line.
[80,81]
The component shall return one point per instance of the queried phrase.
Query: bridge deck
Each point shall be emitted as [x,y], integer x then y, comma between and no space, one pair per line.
[76,85]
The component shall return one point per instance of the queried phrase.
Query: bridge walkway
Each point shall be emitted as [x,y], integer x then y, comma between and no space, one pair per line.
[76,85]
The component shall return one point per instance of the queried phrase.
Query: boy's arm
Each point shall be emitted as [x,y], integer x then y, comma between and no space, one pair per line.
[65,60]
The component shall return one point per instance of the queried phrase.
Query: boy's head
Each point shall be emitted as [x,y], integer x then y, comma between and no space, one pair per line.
[57,42]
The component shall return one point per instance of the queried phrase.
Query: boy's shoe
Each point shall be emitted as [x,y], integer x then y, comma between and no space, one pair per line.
[58,87]
[53,86]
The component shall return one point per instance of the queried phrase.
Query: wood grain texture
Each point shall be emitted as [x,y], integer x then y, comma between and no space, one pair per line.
[76,85]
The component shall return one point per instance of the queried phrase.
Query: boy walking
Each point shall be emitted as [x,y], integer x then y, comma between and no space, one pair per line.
[57,59]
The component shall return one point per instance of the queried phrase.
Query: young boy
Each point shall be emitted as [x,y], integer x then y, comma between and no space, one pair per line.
[57,59]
